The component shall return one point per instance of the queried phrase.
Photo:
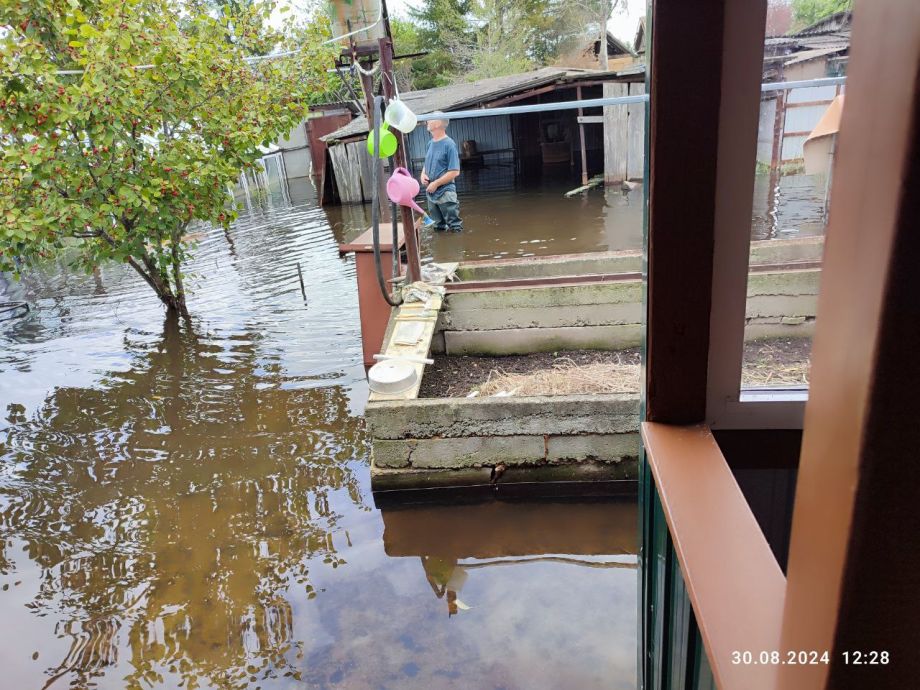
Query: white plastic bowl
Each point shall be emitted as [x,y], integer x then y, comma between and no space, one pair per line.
[391,377]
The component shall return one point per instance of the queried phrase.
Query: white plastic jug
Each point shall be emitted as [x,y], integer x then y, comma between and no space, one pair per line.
[399,116]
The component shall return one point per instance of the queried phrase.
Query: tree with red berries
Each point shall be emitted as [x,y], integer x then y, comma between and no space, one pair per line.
[123,121]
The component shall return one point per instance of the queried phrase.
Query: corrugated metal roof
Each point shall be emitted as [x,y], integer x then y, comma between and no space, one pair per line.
[807,55]
[466,95]
[808,42]
[839,21]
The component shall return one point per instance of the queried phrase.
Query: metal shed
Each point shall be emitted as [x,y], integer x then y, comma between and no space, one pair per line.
[510,141]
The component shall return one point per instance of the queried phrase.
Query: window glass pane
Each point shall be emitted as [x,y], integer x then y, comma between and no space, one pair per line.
[799,116]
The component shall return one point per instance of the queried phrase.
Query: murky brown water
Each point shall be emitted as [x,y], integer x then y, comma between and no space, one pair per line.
[793,208]
[501,221]
[537,220]
[191,508]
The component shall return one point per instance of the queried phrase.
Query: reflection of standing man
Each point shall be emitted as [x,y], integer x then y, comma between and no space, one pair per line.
[442,165]
[446,577]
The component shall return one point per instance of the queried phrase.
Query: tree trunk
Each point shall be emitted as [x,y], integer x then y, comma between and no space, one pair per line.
[602,51]
[174,302]
[177,274]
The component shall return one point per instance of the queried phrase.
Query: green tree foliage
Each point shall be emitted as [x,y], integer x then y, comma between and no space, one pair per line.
[114,162]
[503,38]
[476,39]
[807,12]
[405,40]
[585,18]
[445,32]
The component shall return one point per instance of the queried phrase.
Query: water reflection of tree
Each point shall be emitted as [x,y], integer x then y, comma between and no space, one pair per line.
[177,510]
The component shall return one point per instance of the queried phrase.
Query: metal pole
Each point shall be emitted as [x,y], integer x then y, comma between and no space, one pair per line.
[599,102]
[367,84]
[537,108]
[581,134]
[409,230]
[776,156]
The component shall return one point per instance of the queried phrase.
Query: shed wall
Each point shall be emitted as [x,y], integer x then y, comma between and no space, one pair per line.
[489,133]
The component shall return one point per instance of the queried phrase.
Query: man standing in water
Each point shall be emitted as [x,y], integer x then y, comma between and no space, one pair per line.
[442,165]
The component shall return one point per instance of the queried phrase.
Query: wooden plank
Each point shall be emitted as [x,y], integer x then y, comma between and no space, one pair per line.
[416,312]
[853,557]
[615,141]
[357,154]
[732,578]
[635,127]
[590,119]
[365,242]
[684,132]
[347,176]
[593,182]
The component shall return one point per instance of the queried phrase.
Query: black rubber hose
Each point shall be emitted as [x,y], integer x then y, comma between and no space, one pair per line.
[375,211]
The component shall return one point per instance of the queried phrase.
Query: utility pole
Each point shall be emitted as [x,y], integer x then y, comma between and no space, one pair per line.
[388,83]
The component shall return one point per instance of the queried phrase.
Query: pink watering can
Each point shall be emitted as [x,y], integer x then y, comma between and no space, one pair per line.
[402,189]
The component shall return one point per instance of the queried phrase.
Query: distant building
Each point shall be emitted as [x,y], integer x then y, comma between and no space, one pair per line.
[788,117]
[619,55]
[639,40]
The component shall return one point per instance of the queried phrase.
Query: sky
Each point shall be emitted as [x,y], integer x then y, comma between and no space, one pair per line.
[622,25]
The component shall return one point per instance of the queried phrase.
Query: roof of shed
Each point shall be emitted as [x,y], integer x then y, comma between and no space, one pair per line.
[839,21]
[807,55]
[466,95]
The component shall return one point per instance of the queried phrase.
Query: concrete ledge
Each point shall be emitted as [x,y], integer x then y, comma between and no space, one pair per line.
[537,415]
[384,479]
[510,451]
[389,479]
[518,341]
[760,306]
[587,479]
[597,447]
[552,266]
[784,251]
[781,283]
[625,470]
[618,292]
[540,317]
[766,331]
[454,453]
[627,261]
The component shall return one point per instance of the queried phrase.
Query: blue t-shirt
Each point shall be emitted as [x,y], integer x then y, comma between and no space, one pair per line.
[442,156]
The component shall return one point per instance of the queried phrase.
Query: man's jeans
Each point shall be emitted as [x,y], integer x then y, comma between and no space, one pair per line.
[445,211]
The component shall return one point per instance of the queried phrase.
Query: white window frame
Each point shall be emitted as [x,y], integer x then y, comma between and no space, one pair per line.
[727,406]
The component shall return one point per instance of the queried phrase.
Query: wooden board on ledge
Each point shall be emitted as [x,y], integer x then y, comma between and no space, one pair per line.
[413,312]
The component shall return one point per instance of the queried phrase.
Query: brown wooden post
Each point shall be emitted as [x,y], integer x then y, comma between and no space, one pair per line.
[854,561]
[581,135]
[776,157]
[402,160]
[681,206]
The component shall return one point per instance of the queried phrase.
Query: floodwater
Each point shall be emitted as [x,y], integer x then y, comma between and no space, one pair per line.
[792,207]
[190,507]
[505,219]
